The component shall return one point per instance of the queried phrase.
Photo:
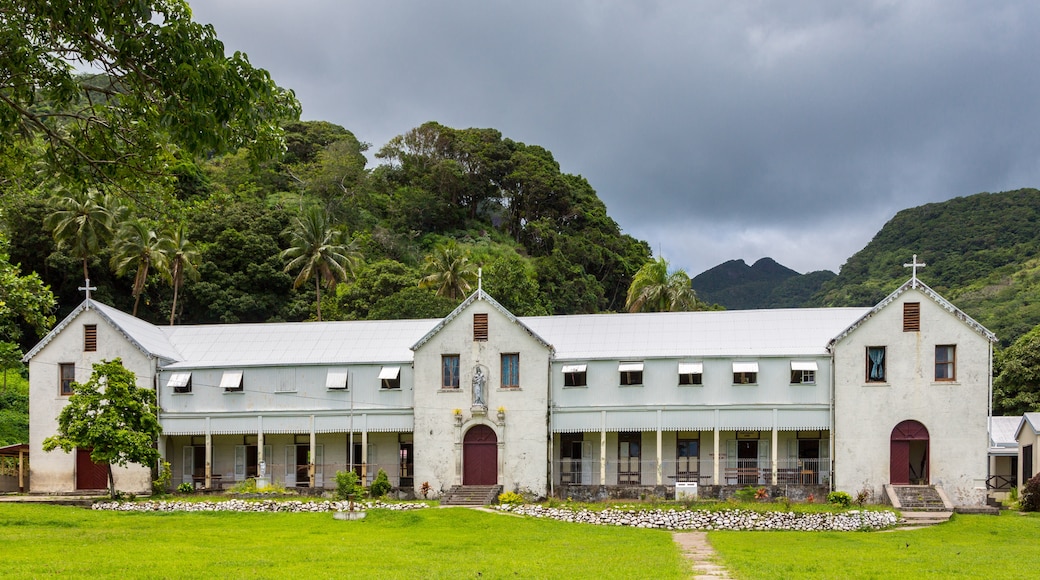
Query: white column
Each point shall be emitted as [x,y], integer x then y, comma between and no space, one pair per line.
[261,462]
[603,448]
[364,449]
[312,454]
[773,450]
[209,455]
[715,453]
[659,453]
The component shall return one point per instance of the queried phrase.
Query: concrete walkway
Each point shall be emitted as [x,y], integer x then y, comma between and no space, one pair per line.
[701,555]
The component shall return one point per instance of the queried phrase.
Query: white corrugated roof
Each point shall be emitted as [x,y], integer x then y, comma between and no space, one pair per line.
[1002,431]
[150,337]
[781,332]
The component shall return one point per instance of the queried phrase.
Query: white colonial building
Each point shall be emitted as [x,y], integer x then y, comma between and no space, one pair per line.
[589,405]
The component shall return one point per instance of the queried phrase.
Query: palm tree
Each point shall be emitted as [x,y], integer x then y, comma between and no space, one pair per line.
[320,251]
[449,270]
[81,223]
[138,247]
[181,260]
[653,289]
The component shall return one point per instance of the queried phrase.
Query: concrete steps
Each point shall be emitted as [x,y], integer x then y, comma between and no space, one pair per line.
[472,495]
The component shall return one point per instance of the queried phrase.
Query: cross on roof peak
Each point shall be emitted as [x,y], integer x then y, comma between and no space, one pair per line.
[915,265]
[87,288]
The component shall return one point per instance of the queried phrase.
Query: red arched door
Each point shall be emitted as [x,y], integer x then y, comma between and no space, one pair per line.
[908,459]
[480,456]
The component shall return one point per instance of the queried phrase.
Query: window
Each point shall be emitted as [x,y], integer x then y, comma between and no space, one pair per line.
[803,373]
[946,362]
[510,371]
[631,373]
[911,316]
[180,382]
[450,371]
[480,326]
[745,373]
[691,373]
[67,375]
[89,337]
[231,382]
[336,379]
[628,458]
[390,378]
[574,376]
[876,363]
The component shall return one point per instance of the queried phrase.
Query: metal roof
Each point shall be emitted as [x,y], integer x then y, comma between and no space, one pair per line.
[1002,431]
[779,332]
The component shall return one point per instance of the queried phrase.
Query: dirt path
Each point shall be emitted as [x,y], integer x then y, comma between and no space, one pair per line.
[701,555]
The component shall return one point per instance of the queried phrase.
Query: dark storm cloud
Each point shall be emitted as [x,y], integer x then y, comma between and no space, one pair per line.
[713,130]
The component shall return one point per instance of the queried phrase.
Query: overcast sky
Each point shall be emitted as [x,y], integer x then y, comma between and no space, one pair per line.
[714,130]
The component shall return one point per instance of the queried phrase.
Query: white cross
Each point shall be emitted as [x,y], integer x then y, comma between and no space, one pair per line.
[915,265]
[480,279]
[88,288]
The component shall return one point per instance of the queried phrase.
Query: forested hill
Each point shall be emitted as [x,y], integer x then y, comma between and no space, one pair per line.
[982,252]
[764,284]
[442,202]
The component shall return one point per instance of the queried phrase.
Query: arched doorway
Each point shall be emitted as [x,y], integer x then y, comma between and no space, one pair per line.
[480,456]
[908,459]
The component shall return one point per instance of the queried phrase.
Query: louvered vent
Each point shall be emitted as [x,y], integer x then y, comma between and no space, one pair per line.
[911,317]
[90,337]
[480,326]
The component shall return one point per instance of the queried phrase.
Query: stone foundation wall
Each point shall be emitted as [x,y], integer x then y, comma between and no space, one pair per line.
[593,493]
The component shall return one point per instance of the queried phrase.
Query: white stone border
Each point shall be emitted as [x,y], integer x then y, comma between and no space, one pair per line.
[241,505]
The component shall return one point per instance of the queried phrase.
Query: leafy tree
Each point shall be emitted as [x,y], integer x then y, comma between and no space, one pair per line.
[138,247]
[163,80]
[24,300]
[512,281]
[1016,388]
[653,289]
[320,251]
[182,261]
[449,270]
[113,417]
[82,223]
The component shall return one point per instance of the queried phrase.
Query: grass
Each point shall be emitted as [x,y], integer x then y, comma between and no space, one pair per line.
[56,541]
[969,546]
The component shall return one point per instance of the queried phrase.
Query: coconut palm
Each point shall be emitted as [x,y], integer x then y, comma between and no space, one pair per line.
[653,289]
[81,223]
[449,270]
[320,251]
[137,247]
[181,260]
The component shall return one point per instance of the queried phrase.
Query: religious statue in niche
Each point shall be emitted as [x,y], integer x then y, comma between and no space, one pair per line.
[479,382]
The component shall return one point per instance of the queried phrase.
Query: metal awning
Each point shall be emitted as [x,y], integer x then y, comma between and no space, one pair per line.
[231,380]
[804,366]
[691,368]
[628,367]
[745,367]
[336,379]
[574,368]
[179,380]
[389,373]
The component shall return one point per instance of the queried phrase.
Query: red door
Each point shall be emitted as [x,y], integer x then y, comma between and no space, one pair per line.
[480,456]
[908,457]
[90,475]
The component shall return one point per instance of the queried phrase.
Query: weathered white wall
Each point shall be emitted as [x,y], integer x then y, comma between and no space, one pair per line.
[1027,437]
[55,472]
[955,412]
[523,433]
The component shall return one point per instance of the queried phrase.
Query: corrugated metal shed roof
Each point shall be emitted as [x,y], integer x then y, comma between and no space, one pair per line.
[148,336]
[781,332]
[296,343]
[1002,431]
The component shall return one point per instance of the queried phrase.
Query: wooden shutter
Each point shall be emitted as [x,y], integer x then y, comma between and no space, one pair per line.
[319,459]
[188,463]
[290,466]
[480,326]
[240,462]
[911,316]
[90,337]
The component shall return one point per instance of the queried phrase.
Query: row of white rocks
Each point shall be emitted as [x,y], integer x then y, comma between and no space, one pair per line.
[735,519]
[241,505]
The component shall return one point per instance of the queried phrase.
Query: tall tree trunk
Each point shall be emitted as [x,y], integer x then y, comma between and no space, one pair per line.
[111,482]
[317,292]
[86,274]
[173,310]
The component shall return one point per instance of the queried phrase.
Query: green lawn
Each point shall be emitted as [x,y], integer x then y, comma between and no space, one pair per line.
[965,547]
[44,541]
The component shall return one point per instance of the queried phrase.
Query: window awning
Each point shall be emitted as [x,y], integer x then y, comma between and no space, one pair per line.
[691,368]
[389,373]
[179,380]
[231,380]
[574,368]
[804,366]
[336,379]
[628,367]
[745,367]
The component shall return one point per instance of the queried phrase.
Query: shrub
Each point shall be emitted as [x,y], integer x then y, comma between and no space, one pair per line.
[424,489]
[746,494]
[839,498]
[348,485]
[186,487]
[161,485]
[510,498]
[1011,501]
[380,486]
[863,496]
[1030,501]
